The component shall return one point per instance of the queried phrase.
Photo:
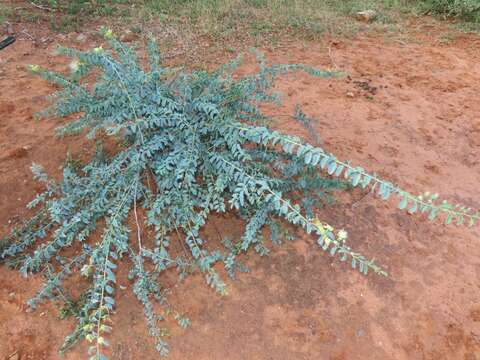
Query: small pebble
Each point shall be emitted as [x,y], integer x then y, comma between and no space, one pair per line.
[81,38]
[367,15]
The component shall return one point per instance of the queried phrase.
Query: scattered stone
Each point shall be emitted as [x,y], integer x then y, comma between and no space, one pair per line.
[476,126]
[129,36]
[475,314]
[367,15]
[366,86]
[81,38]
[350,94]
[432,167]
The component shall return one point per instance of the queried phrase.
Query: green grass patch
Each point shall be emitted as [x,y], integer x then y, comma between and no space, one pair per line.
[5,13]
[466,10]
[240,19]
[64,15]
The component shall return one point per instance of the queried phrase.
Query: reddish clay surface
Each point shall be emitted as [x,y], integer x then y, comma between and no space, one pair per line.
[419,128]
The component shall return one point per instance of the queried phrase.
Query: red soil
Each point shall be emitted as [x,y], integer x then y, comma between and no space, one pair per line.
[419,128]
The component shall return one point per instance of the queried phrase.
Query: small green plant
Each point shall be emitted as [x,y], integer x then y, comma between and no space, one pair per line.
[192,145]
[80,7]
[63,15]
[468,10]
[5,13]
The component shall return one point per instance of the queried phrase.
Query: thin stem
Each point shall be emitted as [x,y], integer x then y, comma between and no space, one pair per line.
[136,218]
[306,221]
[104,277]
[375,179]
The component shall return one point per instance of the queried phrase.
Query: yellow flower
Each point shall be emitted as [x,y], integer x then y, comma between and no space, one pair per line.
[317,223]
[35,68]
[88,327]
[322,227]
[327,240]
[328,227]
[108,34]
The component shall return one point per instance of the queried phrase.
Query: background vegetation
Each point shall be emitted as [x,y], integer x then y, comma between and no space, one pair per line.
[226,17]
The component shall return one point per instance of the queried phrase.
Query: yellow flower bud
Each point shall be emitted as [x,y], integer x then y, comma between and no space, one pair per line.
[327,240]
[108,34]
[35,68]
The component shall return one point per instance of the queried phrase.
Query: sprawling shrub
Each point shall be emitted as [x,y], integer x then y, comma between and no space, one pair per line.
[192,145]
[464,9]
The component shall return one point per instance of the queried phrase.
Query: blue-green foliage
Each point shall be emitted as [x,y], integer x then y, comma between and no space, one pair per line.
[194,144]
[306,123]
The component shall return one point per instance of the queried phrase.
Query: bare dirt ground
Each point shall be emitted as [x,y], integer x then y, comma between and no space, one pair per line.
[408,109]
